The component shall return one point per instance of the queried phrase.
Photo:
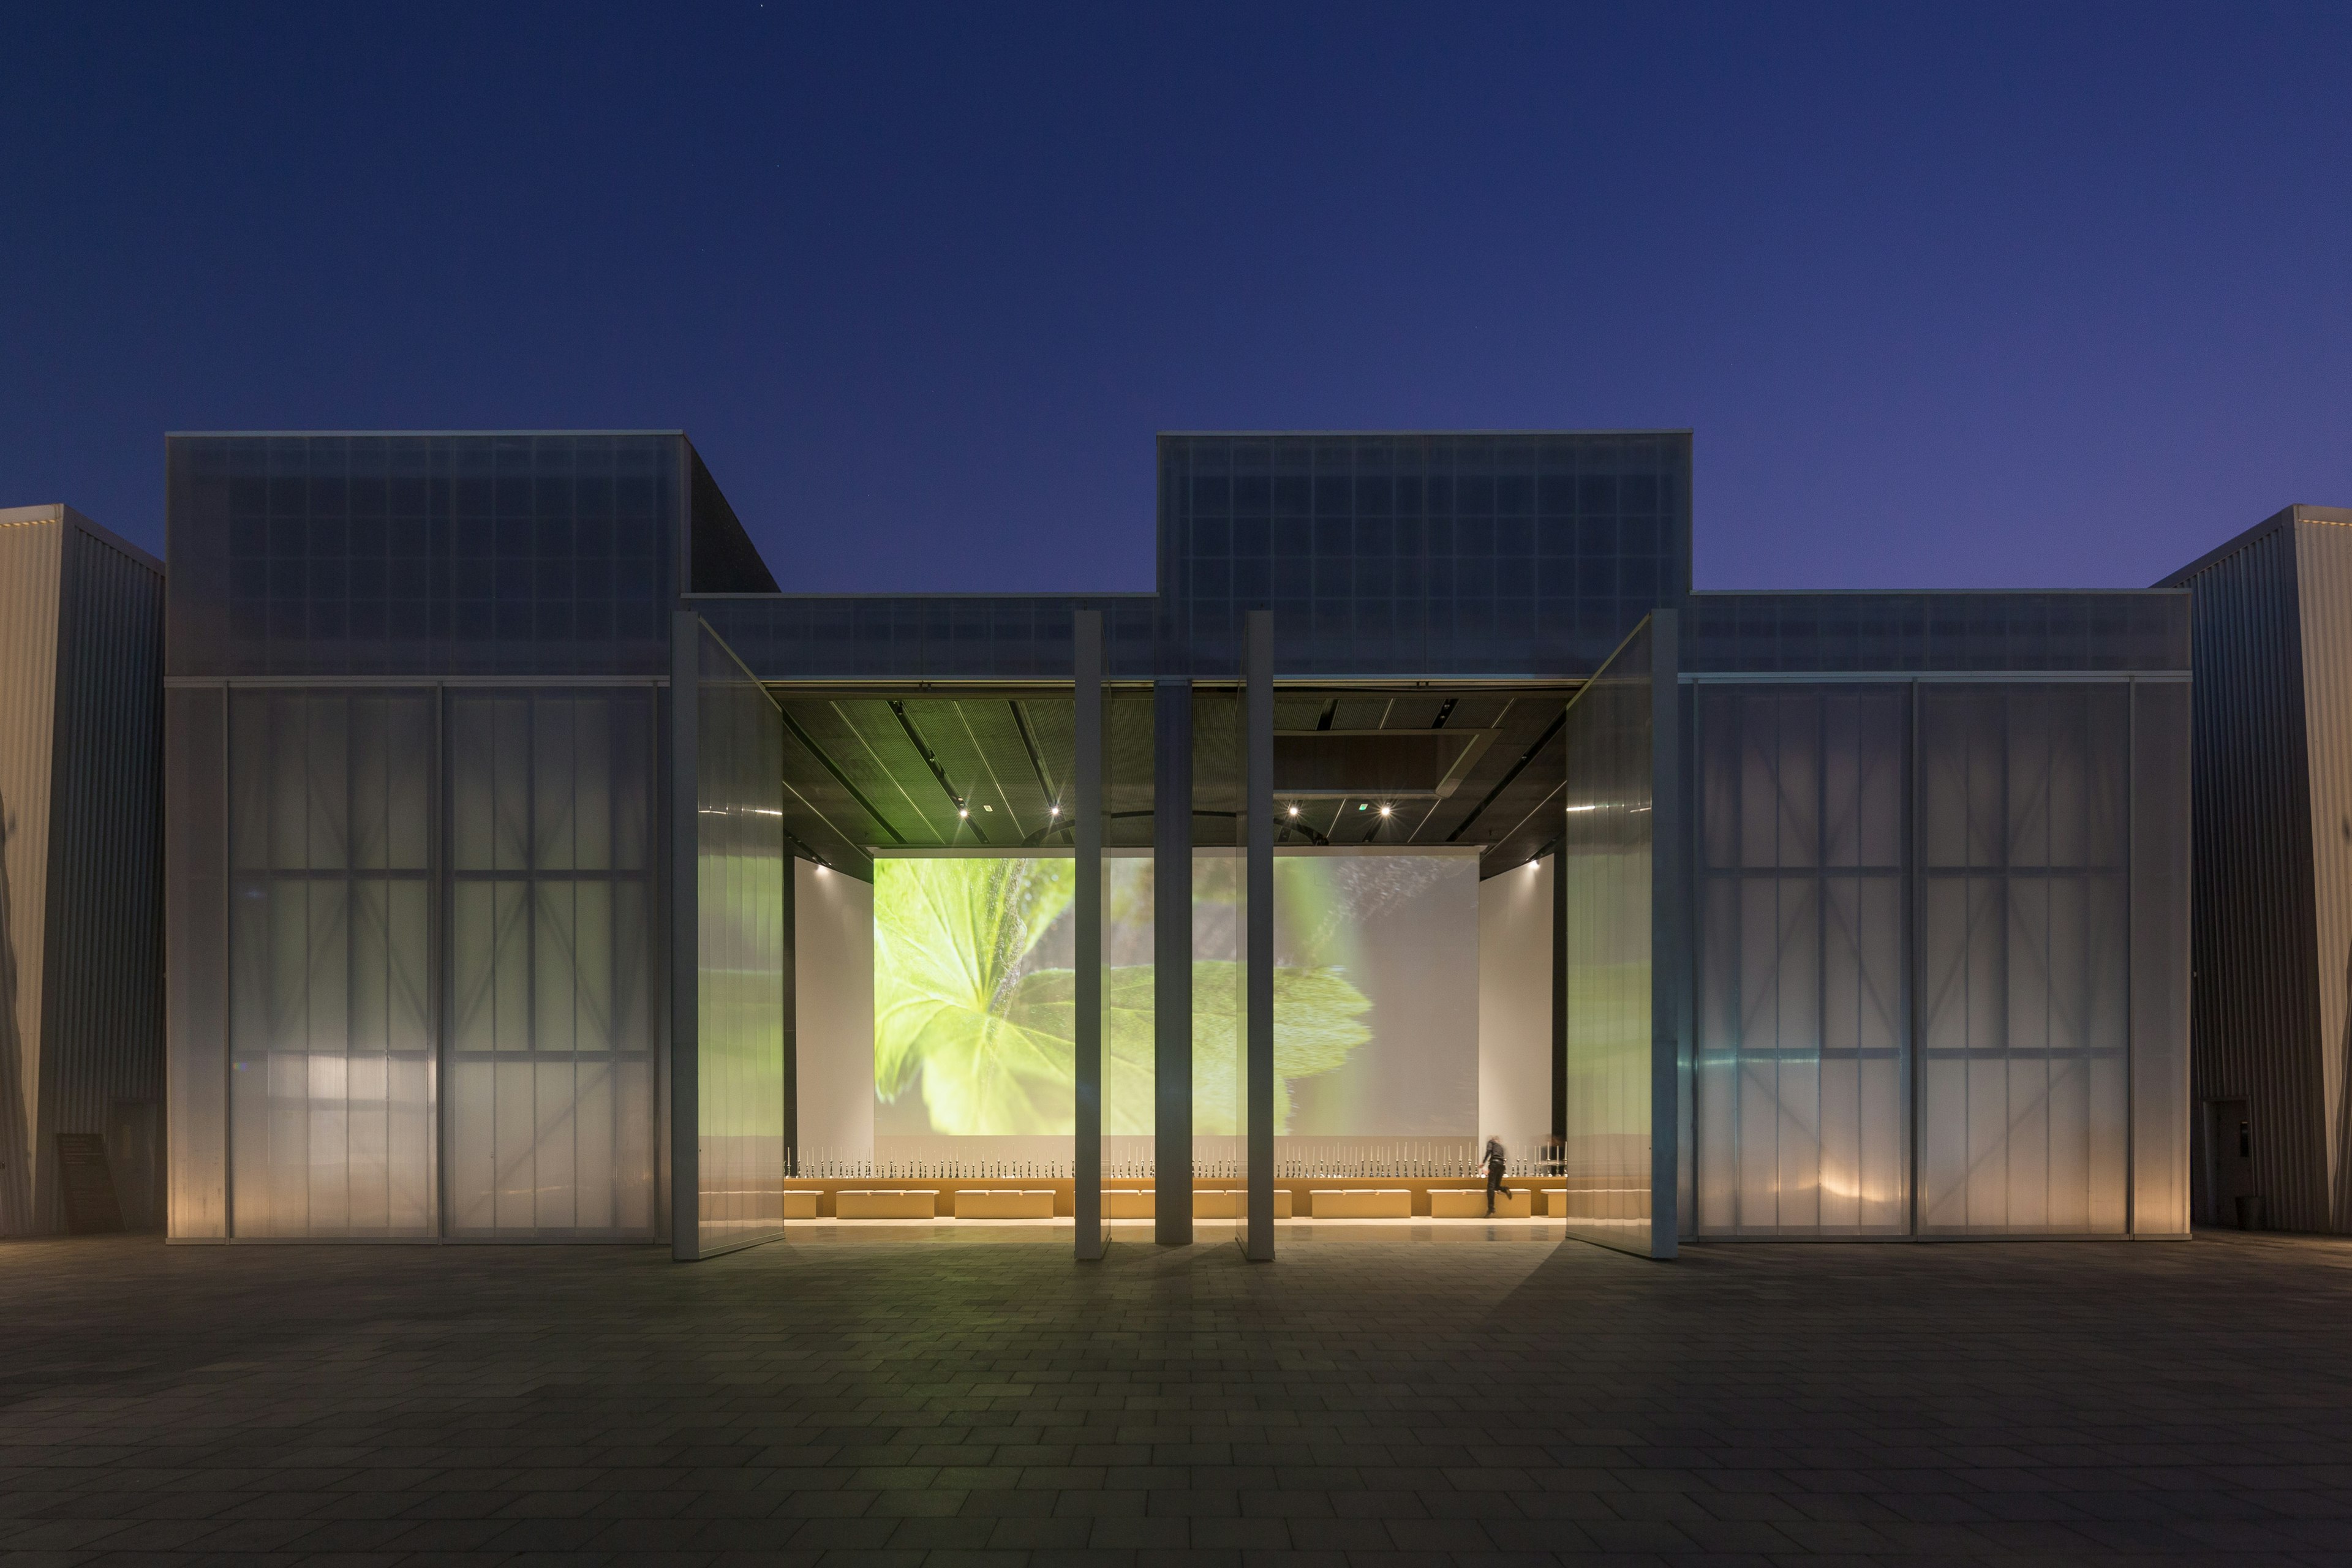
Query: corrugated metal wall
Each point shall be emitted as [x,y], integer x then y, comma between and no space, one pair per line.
[2322,553]
[102,1028]
[31,548]
[2254,1000]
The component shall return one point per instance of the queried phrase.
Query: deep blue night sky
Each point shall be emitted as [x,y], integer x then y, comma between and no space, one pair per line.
[2051,295]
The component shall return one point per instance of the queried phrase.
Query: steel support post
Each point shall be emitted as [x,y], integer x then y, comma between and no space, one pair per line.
[1087,809]
[1257,804]
[1171,952]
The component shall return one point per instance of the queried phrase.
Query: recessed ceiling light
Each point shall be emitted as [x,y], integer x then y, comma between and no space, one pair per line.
[961,811]
[1384,811]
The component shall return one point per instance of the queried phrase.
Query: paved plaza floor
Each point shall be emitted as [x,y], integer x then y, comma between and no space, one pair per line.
[1372,1399]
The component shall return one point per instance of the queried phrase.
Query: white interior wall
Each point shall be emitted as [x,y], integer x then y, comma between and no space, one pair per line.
[1514,1007]
[833,970]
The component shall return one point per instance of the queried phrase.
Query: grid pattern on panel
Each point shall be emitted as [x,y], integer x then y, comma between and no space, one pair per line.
[551,1097]
[331,1016]
[1802,1104]
[1443,553]
[741,871]
[2023,958]
[420,554]
[1831,633]
[1605,860]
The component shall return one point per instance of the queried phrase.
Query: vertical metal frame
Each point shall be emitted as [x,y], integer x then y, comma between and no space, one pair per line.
[1171,944]
[1087,640]
[685,938]
[1669,948]
[1257,805]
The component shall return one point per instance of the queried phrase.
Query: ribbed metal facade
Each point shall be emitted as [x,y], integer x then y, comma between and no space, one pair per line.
[83,728]
[103,987]
[2271,620]
[2322,557]
[31,548]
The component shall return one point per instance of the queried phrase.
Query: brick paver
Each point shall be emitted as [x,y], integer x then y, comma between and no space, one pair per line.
[1365,1402]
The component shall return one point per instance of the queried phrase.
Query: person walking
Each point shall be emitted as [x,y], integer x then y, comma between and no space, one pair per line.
[1497,1161]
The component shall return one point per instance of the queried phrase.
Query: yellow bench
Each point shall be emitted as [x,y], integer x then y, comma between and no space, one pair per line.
[1232,1203]
[1470,1202]
[1364,1203]
[885,1205]
[998,1204]
[799,1204]
[1127,1203]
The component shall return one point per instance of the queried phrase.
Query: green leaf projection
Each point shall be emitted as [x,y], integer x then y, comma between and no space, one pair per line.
[974,1001]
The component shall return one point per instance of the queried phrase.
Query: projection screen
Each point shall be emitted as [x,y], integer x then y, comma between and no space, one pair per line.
[1376,995]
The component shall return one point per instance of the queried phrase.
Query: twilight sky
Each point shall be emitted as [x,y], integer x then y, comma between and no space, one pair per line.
[2054,294]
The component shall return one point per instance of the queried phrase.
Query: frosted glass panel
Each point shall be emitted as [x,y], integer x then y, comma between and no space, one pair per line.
[2159,931]
[551,1028]
[195,965]
[330,933]
[740,989]
[1606,856]
[1802,1026]
[2023,958]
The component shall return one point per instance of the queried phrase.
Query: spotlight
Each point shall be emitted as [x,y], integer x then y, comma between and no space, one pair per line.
[1385,811]
[1294,811]
[1054,811]
[963,811]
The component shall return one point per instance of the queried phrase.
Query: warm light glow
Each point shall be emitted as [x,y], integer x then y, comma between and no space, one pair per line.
[963,811]
[1294,811]
[1054,811]
[1384,811]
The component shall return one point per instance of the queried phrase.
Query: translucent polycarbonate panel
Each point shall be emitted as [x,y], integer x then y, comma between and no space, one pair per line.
[331,973]
[1606,849]
[1384,554]
[740,989]
[1803,1027]
[414,556]
[2023,958]
[196,937]
[2160,964]
[551,1007]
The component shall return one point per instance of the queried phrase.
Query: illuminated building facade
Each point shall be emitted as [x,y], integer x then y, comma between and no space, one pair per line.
[517,820]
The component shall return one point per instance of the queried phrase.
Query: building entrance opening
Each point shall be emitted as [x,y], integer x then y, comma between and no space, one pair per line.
[936,925]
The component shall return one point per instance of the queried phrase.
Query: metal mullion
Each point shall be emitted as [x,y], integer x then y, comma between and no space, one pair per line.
[435,966]
[1914,885]
[1821,926]
[2131,1041]
[2008,1084]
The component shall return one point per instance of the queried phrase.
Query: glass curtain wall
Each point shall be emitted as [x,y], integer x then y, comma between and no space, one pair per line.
[740,986]
[1803,1021]
[331,939]
[551,1016]
[2024,960]
[1606,858]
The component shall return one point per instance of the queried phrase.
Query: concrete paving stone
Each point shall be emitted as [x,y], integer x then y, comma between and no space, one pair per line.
[1867,1404]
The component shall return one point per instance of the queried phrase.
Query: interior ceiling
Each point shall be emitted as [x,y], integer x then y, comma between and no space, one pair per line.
[865,770]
